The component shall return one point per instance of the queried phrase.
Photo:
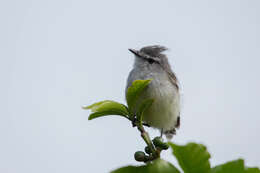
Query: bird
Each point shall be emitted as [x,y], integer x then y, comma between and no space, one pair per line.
[164,113]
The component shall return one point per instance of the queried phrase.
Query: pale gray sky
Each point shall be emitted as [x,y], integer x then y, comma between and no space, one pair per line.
[57,55]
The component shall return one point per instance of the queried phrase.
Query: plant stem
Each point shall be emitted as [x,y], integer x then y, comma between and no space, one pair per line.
[145,136]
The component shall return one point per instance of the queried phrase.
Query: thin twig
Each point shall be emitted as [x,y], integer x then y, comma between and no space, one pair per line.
[155,153]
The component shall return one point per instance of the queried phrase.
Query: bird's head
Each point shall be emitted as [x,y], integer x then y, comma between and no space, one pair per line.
[150,54]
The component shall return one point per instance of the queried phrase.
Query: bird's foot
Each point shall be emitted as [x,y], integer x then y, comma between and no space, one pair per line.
[134,123]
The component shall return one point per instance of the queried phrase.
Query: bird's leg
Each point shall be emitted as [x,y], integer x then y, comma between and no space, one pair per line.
[134,123]
[147,125]
[161,133]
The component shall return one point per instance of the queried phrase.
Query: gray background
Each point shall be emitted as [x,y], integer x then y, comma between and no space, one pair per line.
[57,55]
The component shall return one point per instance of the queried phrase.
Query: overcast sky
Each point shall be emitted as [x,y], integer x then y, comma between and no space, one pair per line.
[57,55]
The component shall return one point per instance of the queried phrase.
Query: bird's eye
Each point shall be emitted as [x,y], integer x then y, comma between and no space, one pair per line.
[150,60]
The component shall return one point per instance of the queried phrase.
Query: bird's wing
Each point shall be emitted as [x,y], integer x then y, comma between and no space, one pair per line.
[172,77]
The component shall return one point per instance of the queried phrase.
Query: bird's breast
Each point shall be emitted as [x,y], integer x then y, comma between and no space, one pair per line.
[165,110]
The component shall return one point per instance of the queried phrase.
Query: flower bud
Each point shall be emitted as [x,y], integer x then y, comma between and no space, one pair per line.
[157,141]
[147,150]
[140,156]
[164,146]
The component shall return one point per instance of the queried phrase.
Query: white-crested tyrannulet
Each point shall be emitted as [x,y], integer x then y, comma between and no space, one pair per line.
[150,63]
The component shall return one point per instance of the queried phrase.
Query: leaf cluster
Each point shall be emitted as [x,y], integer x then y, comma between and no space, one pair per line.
[192,158]
[109,107]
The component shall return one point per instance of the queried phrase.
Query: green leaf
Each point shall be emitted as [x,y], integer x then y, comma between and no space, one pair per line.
[134,92]
[157,166]
[252,170]
[193,158]
[236,166]
[143,107]
[105,108]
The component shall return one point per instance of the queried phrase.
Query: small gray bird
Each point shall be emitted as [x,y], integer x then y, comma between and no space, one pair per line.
[164,114]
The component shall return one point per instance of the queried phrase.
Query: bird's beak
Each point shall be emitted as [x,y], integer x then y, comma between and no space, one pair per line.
[136,52]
